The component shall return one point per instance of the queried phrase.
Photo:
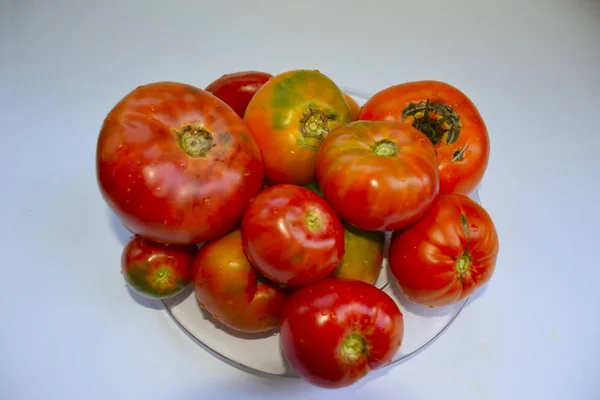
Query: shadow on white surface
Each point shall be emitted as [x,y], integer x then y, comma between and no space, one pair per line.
[120,232]
[144,301]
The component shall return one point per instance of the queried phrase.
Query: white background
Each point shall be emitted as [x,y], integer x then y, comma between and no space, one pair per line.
[69,329]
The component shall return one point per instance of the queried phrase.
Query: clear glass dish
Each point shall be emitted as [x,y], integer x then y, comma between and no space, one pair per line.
[261,353]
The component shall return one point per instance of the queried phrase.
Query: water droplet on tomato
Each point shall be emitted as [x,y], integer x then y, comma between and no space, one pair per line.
[129,176]
[206,201]
[474,228]
[292,152]
[247,174]
[165,222]
[202,305]
[152,108]
[274,210]
[220,267]
[215,317]
[158,189]
[229,302]
[138,162]
[316,70]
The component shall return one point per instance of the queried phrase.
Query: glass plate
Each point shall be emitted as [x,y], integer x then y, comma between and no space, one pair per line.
[261,353]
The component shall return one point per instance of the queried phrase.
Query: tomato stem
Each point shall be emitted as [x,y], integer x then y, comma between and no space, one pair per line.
[463,263]
[385,148]
[436,120]
[314,126]
[313,221]
[195,140]
[353,348]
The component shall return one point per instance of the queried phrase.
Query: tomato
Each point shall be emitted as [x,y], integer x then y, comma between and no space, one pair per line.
[448,118]
[229,288]
[176,164]
[156,270]
[236,89]
[337,330]
[378,176]
[354,107]
[363,255]
[292,236]
[289,116]
[363,251]
[447,255]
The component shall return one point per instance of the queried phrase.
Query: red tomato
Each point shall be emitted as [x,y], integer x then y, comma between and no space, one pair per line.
[363,251]
[334,332]
[176,164]
[289,117]
[236,89]
[447,255]
[229,288]
[448,118]
[292,236]
[157,270]
[378,175]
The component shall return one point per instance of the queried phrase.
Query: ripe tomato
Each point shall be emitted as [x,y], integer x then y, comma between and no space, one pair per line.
[363,251]
[378,175]
[292,236]
[289,117]
[236,89]
[337,330]
[447,255]
[229,288]
[176,164]
[156,270]
[354,107]
[448,118]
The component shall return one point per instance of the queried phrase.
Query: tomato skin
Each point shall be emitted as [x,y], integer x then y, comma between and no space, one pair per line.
[363,255]
[237,89]
[158,189]
[427,258]
[289,116]
[363,251]
[155,270]
[378,192]
[317,320]
[292,236]
[463,162]
[229,288]
[354,107]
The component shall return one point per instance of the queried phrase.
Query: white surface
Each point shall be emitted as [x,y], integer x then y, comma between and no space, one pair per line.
[70,330]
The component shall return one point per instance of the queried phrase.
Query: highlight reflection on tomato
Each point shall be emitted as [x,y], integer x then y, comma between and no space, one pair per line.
[335,331]
[229,288]
[237,89]
[176,164]
[378,175]
[289,116]
[448,118]
[447,255]
[292,236]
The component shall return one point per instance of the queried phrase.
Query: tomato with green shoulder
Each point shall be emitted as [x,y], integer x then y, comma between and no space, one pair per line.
[289,116]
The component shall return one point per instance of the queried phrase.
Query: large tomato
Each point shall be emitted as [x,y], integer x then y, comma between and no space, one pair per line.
[229,288]
[236,89]
[176,164]
[447,255]
[363,251]
[378,175]
[289,116]
[157,270]
[292,236]
[335,331]
[448,118]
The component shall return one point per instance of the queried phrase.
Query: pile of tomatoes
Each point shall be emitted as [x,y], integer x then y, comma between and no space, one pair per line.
[272,196]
